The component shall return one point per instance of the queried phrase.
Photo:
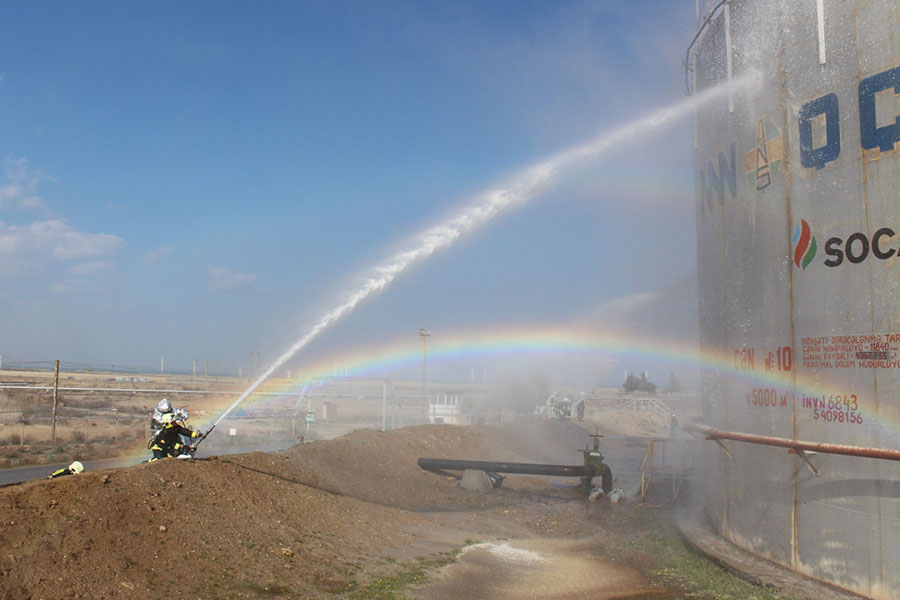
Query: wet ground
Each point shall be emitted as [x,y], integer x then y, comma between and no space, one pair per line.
[544,569]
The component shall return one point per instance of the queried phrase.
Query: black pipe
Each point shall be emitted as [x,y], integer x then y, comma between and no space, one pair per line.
[436,464]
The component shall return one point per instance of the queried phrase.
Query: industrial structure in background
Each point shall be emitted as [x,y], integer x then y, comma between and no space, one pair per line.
[798,238]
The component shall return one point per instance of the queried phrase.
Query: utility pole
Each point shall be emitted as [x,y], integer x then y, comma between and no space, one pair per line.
[195,367]
[53,412]
[162,363]
[384,405]
[424,335]
[394,405]
[217,370]
[250,366]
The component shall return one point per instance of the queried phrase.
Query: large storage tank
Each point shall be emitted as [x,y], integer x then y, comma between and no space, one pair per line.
[798,229]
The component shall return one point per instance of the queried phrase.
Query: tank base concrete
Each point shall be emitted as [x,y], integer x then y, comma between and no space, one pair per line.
[705,540]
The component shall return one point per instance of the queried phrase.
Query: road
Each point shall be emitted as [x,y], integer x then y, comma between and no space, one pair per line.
[20,474]
[16,475]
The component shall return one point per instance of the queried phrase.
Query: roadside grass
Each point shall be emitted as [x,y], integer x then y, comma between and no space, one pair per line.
[405,576]
[646,538]
[45,453]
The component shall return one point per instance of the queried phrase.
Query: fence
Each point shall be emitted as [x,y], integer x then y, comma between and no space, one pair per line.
[18,429]
[652,406]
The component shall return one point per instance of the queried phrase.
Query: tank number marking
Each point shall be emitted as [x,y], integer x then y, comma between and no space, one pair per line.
[870,351]
[834,408]
[781,359]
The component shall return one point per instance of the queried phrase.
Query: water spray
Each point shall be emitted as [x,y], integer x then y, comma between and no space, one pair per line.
[517,190]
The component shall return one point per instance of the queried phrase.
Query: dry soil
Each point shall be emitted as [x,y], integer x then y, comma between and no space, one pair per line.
[321,520]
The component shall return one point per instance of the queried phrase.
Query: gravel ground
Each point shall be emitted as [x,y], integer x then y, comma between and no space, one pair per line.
[315,521]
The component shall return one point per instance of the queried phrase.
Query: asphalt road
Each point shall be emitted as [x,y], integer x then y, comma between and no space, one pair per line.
[16,475]
[20,474]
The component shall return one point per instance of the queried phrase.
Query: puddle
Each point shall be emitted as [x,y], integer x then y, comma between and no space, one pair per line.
[540,569]
[505,552]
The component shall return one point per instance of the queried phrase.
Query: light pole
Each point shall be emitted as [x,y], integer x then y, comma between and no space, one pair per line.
[424,335]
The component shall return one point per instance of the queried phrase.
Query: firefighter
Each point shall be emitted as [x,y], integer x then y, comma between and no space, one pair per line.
[74,469]
[167,441]
[579,409]
[181,416]
[162,409]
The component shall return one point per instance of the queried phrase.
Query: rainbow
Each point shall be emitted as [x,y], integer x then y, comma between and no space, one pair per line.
[730,366]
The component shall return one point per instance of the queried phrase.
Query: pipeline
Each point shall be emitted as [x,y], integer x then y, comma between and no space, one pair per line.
[718,434]
[437,464]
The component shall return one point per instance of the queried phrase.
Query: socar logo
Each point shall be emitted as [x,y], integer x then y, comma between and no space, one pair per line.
[804,245]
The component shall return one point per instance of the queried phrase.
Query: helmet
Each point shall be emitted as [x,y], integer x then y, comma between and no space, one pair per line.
[167,418]
[164,406]
[76,467]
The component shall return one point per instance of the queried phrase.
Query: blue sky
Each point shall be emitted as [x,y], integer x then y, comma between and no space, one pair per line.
[203,179]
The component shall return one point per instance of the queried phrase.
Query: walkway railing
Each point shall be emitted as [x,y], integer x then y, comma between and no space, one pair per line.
[632,405]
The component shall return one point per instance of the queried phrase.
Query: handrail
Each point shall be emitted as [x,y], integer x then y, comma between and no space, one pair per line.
[687,57]
[718,434]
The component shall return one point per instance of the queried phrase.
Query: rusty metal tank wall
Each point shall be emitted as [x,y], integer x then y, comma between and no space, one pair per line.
[798,232]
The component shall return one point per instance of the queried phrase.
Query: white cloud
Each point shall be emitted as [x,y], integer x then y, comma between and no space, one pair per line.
[220,278]
[62,288]
[94,266]
[71,244]
[158,254]
[24,247]
[20,191]
[71,287]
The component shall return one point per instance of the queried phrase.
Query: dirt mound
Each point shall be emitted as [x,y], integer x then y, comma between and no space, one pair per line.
[309,522]
[383,467]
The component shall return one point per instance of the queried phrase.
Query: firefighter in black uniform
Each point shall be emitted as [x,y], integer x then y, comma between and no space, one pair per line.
[167,441]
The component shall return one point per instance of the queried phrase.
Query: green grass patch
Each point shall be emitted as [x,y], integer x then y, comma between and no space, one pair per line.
[647,539]
[395,585]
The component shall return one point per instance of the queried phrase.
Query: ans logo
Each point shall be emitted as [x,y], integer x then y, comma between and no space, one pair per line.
[766,159]
[855,249]
[804,245]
